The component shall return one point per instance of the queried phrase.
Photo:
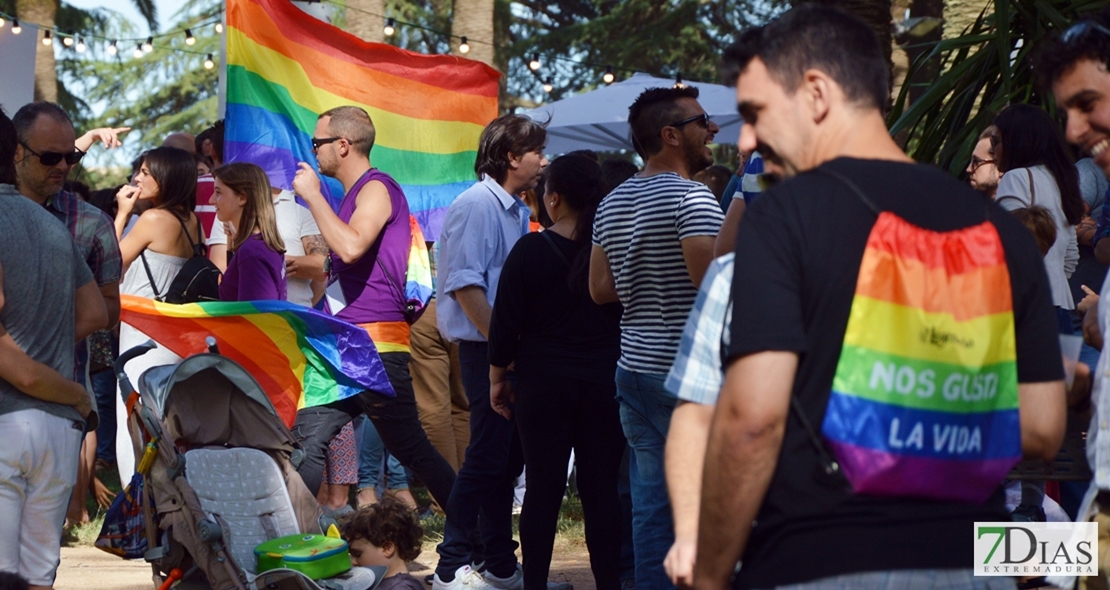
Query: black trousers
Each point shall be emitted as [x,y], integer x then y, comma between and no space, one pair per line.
[396,420]
[554,414]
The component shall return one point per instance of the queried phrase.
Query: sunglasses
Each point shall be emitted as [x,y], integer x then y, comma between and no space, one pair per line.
[1082,28]
[703,118]
[52,158]
[977,163]
[316,143]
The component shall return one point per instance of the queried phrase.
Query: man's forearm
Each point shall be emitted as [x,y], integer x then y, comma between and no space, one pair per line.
[473,302]
[685,457]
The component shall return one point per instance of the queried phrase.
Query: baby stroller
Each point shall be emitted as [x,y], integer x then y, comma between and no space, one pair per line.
[219,477]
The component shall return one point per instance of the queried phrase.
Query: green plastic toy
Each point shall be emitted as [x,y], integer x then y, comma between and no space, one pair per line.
[316,556]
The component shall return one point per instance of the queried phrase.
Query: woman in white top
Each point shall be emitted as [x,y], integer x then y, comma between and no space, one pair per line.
[155,249]
[1037,170]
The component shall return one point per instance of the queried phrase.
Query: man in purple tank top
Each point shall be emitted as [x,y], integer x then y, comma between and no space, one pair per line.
[369,241]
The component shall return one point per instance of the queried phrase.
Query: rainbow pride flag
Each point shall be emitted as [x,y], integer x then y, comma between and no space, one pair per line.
[924,402]
[300,357]
[285,67]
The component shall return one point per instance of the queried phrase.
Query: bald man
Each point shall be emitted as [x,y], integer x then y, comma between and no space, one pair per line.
[184,141]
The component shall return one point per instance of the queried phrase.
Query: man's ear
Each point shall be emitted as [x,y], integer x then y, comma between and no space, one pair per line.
[821,92]
[513,160]
[670,136]
[19,152]
[389,550]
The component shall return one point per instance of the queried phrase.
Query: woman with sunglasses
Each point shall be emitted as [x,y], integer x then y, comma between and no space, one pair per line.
[154,250]
[256,252]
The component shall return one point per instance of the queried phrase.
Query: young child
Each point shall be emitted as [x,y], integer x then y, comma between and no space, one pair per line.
[386,534]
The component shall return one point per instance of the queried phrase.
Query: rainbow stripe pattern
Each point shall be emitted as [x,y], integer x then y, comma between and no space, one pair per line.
[285,67]
[924,402]
[301,357]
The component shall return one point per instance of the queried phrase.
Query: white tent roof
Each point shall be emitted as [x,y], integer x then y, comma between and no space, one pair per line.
[598,120]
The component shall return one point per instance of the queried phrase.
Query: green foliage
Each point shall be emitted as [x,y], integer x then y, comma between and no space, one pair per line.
[986,68]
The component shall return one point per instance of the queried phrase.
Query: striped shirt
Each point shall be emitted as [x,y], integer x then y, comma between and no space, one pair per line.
[640,225]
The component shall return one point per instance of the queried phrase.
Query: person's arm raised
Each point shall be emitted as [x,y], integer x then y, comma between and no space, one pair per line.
[350,241]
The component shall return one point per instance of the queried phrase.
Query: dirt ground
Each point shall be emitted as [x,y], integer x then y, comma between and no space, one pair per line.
[88,568]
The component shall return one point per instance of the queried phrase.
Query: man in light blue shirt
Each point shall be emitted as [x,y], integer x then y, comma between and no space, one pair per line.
[480,229]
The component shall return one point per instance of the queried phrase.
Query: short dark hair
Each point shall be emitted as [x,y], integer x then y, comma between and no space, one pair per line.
[8,141]
[1055,57]
[26,116]
[1031,138]
[615,171]
[816,37]
[354,125]
[653,110]
[389,521]
[507,134]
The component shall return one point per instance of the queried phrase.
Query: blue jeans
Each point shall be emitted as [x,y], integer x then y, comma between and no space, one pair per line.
[954,579]
[104,389]
[370,455]
[646,409]
[485,482]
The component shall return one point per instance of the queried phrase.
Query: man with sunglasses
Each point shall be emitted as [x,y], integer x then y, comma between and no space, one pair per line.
[982,173]
[652,243]
[1076,67]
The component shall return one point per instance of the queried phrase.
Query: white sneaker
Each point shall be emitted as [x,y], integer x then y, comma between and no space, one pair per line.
[465,579]
[513,582]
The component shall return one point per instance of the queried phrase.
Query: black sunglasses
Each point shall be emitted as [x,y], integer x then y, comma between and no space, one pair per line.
[316,143]
[703,118]
[1082,28]
[52,158]
[977,163]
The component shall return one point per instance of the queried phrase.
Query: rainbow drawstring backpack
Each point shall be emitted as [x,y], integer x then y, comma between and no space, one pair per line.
[924,402]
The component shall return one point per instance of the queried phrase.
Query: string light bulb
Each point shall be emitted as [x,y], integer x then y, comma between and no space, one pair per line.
[148,45]
[389,27]
[16,29]
[608,77]
[219,27]
[1,21]
[112,49]
[464,47]
[547,87]
[208,63]
[67,41]
[80,45]
[138,52]
[535,63]
[46,39]
[189,38]
[678,81]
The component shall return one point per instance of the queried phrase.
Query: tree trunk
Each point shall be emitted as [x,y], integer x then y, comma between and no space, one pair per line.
[474,19]
[364,20]
[42,13]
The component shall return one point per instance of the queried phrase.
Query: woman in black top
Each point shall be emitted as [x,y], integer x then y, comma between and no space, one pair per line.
[565,349]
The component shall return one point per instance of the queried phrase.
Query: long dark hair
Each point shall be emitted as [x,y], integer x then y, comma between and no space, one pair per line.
[576,178]
[176,174]
[1031,138]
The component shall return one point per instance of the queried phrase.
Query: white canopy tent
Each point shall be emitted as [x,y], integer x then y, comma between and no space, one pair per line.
[598,120]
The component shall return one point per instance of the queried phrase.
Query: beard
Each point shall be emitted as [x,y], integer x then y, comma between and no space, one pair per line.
[695,157]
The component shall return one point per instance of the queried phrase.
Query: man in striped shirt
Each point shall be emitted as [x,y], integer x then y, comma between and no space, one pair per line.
[653,241]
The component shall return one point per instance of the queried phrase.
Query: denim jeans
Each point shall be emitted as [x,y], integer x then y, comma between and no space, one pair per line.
[396,421]
[104,389]
[646,409]
[948,579]
[371,453]
[485,482]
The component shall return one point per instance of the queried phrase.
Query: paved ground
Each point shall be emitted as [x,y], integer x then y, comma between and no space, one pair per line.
[88,568]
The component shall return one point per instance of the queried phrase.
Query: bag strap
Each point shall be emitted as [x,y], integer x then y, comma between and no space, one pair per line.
[192,245]
[555,247]
[1032,188]
[150,276]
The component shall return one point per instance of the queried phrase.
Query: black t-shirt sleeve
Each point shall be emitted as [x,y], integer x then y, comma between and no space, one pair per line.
[767,281]
[1035,327]
[506,322]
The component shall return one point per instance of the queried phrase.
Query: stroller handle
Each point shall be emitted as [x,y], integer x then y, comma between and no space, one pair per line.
[126,389]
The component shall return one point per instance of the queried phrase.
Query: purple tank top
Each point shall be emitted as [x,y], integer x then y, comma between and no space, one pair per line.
[369,286]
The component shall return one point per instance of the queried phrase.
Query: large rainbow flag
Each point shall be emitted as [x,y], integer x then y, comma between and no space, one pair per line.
[301,357]
[285,67]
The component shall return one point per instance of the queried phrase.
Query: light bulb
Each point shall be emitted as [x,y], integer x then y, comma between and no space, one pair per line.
[389,28]
[112,49]
[208,63]
[1,21]
[138,52]
[148,45]
[464,47]
[189,38]
[46,40]
[535,63]
[16,29]
[219,27]
[608,77]
[80,46]
[67,41]
[547,87]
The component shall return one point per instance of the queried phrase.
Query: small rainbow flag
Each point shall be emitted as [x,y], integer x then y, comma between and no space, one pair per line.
[285,67]
[301,357]
[924,401]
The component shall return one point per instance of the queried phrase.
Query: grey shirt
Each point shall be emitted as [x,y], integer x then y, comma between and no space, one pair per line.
[42,270]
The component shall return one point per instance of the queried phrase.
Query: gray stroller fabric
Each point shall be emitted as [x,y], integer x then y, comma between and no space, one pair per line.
[357,578]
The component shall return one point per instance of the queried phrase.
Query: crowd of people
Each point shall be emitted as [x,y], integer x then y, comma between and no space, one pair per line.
[676,333]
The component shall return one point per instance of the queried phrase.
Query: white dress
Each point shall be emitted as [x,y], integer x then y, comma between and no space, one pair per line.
[135,282]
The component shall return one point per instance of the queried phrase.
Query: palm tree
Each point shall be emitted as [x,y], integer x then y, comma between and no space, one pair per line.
[474,20]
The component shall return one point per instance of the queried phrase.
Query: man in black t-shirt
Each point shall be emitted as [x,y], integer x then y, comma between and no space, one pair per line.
[811,87]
